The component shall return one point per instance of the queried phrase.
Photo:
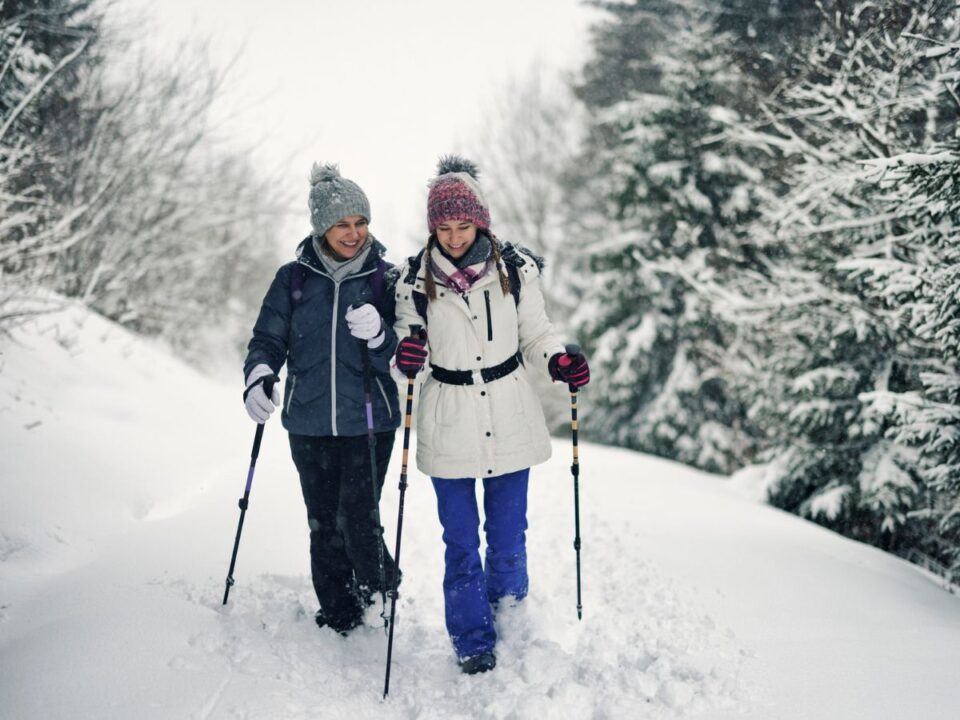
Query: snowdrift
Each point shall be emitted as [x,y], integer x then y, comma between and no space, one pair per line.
[119,477]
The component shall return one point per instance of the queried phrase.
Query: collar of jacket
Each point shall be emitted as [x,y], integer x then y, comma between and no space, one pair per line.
[306,255]
[510,254]
[416,274]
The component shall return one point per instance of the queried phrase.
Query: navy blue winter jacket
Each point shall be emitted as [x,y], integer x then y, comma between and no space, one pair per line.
[324,392]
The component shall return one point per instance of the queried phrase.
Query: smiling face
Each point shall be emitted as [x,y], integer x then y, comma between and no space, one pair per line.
[347,236]
[456,237]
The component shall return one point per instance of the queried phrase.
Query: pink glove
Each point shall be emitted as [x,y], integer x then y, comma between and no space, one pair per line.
[411,355]
[571,369]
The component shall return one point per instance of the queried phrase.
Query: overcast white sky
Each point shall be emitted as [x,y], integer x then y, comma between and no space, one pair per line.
[382,87]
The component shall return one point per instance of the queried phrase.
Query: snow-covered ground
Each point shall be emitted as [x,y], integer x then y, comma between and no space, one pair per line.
[119,474]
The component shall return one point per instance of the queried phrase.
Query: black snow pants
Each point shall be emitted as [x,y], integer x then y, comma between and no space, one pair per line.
[344,535]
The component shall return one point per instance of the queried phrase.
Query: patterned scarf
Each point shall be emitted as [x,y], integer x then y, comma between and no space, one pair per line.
[460,275]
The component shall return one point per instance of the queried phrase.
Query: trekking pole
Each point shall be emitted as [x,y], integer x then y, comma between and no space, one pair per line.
[573,349]
[372,445]
[268,384]
[416,331]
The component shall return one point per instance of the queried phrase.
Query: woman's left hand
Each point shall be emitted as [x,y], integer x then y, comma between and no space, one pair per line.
[571,369]
[365,323]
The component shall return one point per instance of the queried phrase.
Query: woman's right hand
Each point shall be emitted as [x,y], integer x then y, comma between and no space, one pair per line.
[259,405]
[411,355]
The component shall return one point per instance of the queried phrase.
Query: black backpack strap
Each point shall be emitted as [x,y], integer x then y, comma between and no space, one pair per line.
[382,284]
[419,299]
[413,267]
[420,303]
[378,283]
[514,274]
[514,257]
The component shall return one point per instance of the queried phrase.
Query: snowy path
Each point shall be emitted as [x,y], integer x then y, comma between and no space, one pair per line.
[150,610]
[119,517]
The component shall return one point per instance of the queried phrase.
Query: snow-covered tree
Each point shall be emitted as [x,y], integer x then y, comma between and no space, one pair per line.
[45,45]
[830,359]
[182,224]
[115,187]
[668,197]
[768,206]
[916,272]
[933,312]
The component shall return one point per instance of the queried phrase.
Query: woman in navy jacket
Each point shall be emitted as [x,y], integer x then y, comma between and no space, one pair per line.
[319,312]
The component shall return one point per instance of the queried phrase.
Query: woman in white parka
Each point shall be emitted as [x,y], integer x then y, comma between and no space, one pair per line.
[478,415]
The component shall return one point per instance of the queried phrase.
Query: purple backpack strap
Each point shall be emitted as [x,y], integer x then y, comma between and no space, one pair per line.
[378,283]
[297,278]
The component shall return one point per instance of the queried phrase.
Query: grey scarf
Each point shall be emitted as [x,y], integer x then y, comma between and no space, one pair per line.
[340,269]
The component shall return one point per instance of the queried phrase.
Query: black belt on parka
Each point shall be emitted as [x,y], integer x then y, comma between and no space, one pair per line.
[477,377]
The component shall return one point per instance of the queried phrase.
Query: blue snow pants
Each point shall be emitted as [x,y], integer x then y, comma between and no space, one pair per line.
[470,589]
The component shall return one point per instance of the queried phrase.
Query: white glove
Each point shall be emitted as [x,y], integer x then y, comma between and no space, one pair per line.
[259,406]
[365,323]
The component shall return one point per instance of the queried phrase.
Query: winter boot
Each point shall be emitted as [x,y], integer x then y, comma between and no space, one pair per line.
[478,663]
[339,625]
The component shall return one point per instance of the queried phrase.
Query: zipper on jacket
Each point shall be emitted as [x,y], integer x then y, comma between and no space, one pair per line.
[293,386]
[486,300]
[333,357]
[333,339]
[386,402]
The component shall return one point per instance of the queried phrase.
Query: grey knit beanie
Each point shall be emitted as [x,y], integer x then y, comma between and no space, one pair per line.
[333,197]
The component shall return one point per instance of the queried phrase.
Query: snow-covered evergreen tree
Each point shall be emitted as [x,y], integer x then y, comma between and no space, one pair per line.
[830,358]
[669,198]
[917,272]
[933,311]
[760,278]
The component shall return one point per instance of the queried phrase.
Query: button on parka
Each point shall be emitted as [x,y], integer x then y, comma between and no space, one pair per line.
[324,393]
[481,430]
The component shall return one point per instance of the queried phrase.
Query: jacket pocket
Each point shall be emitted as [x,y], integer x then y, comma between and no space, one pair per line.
[293,386]
[386,401]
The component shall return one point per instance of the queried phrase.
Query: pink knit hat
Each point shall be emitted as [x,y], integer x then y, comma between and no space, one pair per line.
[455,194]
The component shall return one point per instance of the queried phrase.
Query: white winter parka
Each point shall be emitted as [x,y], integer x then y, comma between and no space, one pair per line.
[480,430]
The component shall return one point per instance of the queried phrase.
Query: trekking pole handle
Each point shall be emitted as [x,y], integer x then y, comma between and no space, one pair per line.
[572,350]
[268,384]
[416,331]
[268,381]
